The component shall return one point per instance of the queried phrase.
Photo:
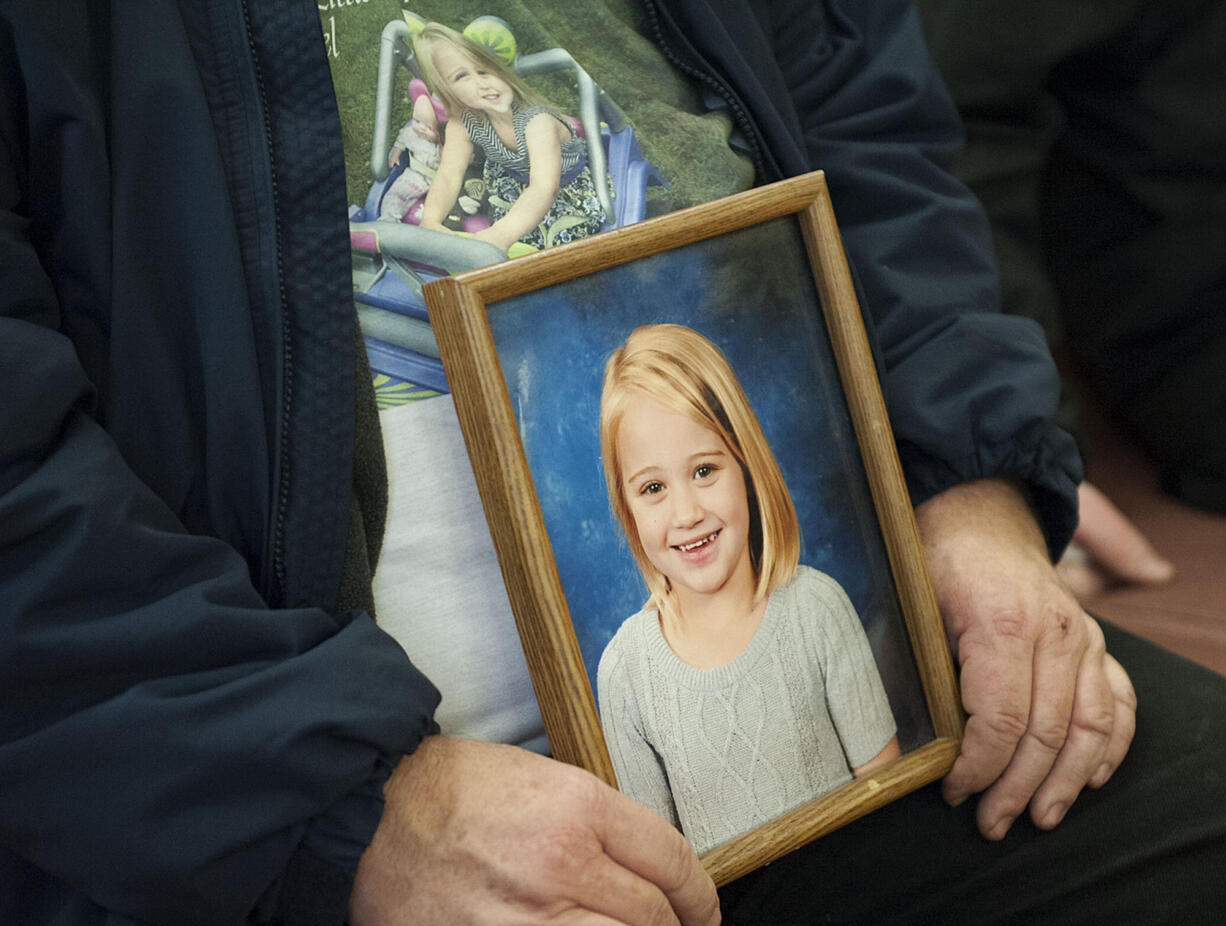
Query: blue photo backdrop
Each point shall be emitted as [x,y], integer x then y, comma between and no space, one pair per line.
[752,293]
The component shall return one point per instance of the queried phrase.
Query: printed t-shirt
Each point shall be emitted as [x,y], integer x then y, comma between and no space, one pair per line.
[438,588]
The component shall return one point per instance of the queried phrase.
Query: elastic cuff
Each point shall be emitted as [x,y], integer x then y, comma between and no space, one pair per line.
[1048,469]
[315,889]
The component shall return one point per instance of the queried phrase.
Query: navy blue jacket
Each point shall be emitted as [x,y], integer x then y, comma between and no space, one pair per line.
[190,732]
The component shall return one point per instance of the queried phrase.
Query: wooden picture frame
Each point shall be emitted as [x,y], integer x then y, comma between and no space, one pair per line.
[748,266]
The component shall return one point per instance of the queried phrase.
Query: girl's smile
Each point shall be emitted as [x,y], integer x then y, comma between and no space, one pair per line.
[698,544]
[687,494]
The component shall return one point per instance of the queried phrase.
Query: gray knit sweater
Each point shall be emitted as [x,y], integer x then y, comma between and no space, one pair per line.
[721,751]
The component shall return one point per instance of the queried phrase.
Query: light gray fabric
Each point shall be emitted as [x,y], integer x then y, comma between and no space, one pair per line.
[721,751]
[438,589]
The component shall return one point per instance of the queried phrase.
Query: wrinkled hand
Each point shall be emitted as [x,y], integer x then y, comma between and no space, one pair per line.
[1049,710]
[1108,549]
[479,833]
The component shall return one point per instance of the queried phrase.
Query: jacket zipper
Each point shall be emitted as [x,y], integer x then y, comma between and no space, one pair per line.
[276,595]
[708,79]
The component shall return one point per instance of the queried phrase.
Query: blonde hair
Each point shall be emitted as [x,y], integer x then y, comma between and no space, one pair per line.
[433,35]
[683,371]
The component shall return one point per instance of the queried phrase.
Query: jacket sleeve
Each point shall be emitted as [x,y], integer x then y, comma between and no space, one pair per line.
[171,749]
[847,86]
[167,742]
[971,392]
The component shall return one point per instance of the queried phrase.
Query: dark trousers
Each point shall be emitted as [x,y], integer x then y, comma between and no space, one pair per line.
[1096,139]
[1149,847]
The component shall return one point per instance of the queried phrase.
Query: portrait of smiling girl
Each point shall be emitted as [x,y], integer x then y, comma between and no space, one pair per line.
[745,686]
[536,173]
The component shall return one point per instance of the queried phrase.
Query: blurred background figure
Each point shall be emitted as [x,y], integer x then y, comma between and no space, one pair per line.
[1096,139]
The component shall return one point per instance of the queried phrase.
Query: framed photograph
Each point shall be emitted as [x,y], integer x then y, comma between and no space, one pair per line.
[736,578]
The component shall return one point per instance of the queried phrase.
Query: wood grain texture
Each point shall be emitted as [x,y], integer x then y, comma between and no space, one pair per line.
[458,313]
[885,476]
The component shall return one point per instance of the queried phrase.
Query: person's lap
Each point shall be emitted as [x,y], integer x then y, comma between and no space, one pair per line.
[1147,847]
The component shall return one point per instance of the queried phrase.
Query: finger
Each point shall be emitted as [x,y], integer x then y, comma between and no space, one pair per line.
[571,916]
[646,845]
[607,891]
[606,854]
[567,865]
[1115,542]
[1056,662]
[583,918]
[580,917]
[995,679]
[1089,732]
[1124,726]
